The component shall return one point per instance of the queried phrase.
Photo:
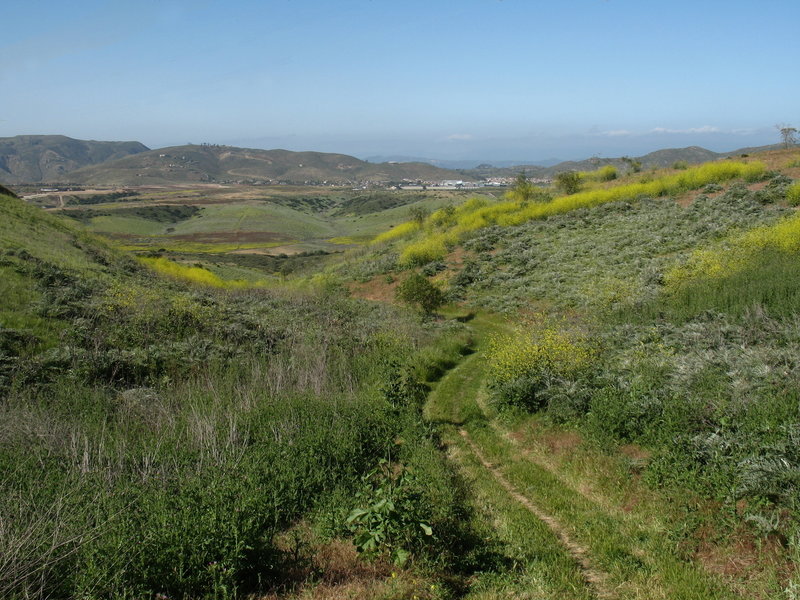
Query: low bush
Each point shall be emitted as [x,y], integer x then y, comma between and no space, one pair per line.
[523,365]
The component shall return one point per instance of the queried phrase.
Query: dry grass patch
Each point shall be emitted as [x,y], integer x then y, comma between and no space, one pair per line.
[333,570]
[378,288]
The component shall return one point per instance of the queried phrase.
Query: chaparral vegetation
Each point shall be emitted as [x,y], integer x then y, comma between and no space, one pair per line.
[583,391]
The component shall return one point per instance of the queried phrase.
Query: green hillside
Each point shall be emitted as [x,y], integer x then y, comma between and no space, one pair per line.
[167,440]
[42,158]
[226,164]
[607,406]
[646,366]
[245,231]
[658,159]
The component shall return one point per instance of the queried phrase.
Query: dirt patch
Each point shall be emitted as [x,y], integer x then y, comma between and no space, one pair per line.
[377,288]
[688,198]
[333,570]
[742,558]
[561,442]
[635,452]
[232,237]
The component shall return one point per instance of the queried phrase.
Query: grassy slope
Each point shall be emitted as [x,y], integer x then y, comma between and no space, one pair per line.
[157,439]
[647,462]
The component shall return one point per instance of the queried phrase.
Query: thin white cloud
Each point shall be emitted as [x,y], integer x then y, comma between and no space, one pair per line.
[665,131]
[703,129]
[617,133]
[460,137]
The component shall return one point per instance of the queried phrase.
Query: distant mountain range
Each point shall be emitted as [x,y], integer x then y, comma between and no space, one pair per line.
[59,159]
[228,164]
[37,158]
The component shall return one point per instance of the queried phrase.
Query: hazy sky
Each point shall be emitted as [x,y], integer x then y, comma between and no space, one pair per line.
[483,79]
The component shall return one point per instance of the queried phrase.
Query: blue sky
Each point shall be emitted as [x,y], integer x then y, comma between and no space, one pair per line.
[463,79]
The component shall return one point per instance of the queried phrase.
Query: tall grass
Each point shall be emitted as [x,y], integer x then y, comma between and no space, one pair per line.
[124,479]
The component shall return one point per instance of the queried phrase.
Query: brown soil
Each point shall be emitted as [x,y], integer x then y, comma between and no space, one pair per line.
[635,452]
[333,570]
[562,441]
[376,289]
[232,237]
[274,251]
[741,558]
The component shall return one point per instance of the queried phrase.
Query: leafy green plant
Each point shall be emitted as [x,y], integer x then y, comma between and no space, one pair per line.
[388,518]
[568,182]
[417,290]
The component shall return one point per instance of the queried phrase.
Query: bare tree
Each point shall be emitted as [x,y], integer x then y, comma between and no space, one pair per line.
[788,134]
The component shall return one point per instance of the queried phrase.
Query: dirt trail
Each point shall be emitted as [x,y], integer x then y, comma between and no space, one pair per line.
[596,579]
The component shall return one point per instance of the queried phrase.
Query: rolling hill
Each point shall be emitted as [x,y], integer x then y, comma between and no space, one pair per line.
[227,164]
[38,158]
[692,155]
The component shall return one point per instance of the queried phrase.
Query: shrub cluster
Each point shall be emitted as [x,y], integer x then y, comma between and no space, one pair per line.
[526,363]
[446,228]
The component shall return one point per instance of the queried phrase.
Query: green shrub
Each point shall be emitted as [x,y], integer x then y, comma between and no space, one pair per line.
[524,365]
[568,182]
[417,290]
[390,516]
[793,195]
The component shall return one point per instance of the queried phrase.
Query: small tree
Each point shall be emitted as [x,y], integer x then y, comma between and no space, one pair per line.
[419,213]
[523,188]
[417,290]
[524,191]
[788,135]
[568,182]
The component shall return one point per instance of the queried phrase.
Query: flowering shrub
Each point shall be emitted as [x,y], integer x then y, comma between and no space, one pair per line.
[402,230]
[446,227]
[737,253]
[525,363]
[193,274]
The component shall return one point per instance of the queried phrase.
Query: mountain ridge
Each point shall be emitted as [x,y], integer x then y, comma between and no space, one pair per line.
[60,159]
[41,158]
[208,163]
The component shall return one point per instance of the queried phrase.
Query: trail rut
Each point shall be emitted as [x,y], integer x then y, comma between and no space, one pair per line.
[596,579]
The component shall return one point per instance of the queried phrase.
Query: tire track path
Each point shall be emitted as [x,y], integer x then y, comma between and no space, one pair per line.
[596,579]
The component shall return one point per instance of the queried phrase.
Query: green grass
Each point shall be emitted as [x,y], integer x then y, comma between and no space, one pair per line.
[770,280]
[541,566]
[604,256]
[630,547]
[637,558]
[166,434]
[127,225]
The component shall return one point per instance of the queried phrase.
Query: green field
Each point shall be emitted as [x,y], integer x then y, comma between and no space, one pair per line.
[214,225]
